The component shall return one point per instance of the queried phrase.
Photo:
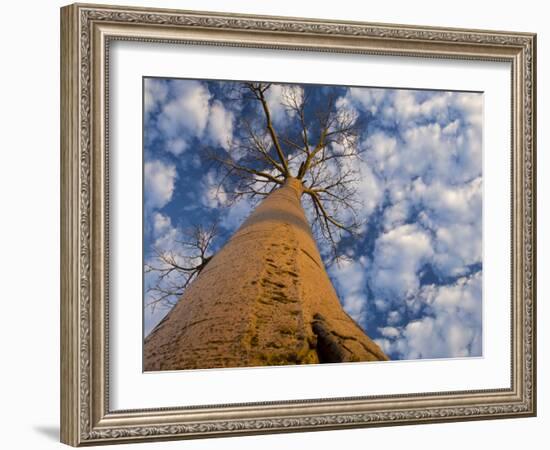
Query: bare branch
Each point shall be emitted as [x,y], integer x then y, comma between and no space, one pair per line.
[319,141]
[259,91]
[176,269]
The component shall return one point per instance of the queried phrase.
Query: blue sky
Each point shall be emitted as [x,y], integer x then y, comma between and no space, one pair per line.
[413,279]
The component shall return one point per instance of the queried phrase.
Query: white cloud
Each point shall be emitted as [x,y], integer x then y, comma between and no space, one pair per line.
[161,224]
[165,235]
[274,98]
[369,188]
[451,328]
[428,151]
[237,214]
[159,183]
[452,127]
[389,332]
[393,318]
[155,92]
[220,125]
[277,96]
[382,152]
[440,133]
[354,304]
[471,106]
[398,256]
[350,277]
[396,214]
[187,110]
[176,146]
[382,305]
[454,215]
[428,163]
[457,246]
[460,203]
[407,105]
[368,99]
[432,172]
[213,194]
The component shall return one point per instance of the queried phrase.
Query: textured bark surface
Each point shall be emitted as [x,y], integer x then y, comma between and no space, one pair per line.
[264,299]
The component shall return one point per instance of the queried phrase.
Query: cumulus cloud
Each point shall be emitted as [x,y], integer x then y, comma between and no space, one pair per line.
[394,318]
[161,224]
[185,110]
[154,94]
[425,151]
[382,152]
[350,280]
[390,332]
[213,194]
[220,125]
[451,328]
[398,256]
[368,99]
[410,107]
[274,98]
[237,214]
[176,146]
[369,188]
[159,183]
[454,216]
[277,96]
[164,233]
[438,130]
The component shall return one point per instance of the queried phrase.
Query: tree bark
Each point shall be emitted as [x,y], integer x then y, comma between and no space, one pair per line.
[264,299]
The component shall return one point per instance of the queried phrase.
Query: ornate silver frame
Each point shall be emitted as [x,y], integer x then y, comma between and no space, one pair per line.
[86,32]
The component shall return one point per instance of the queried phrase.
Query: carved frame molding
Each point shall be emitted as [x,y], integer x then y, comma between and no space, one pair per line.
[86,32]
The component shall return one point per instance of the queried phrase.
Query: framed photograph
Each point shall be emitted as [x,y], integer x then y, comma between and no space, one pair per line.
[276,224]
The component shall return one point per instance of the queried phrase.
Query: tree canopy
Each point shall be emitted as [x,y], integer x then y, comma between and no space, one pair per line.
[319,148]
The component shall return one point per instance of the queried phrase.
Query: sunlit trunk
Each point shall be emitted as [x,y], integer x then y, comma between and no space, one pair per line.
[264,299]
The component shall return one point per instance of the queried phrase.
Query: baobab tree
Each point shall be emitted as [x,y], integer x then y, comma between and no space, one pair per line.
[265,298]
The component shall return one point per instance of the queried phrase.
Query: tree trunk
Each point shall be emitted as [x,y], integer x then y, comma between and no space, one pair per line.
[264,299]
